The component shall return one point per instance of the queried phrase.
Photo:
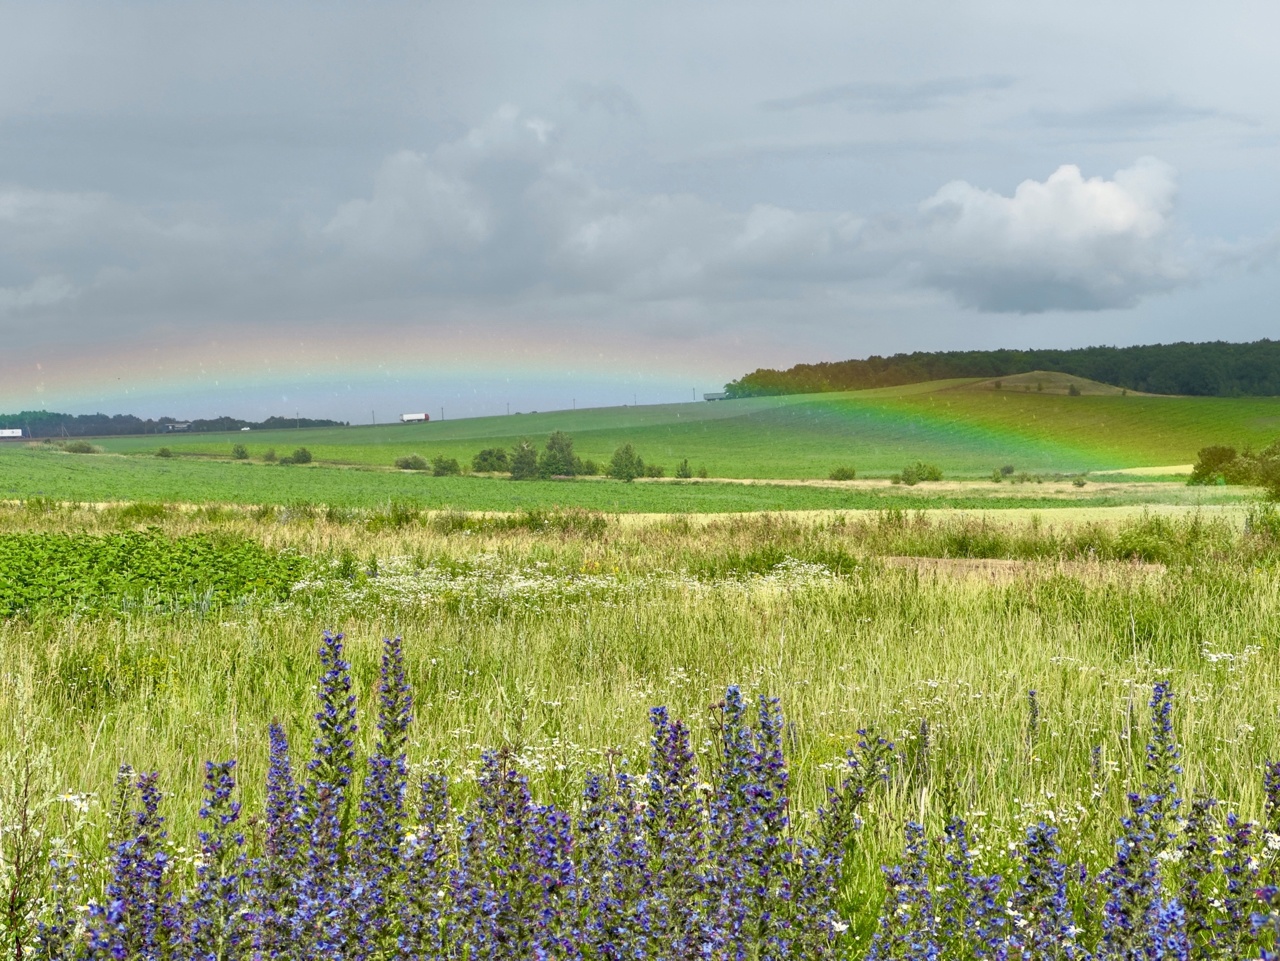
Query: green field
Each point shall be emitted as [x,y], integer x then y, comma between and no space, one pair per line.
[27,474]
[967,432]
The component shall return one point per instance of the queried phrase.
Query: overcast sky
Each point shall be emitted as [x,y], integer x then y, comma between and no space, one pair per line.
[246,208]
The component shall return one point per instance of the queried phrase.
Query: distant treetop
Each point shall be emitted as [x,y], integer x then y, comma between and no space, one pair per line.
[1216,369]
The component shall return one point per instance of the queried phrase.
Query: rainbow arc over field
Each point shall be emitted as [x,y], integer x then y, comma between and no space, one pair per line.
[337,371]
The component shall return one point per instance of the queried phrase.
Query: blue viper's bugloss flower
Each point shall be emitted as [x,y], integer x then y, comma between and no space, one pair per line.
[678,861]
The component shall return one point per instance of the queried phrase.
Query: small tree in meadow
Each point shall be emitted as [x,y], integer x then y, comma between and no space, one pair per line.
[524,461]
[626,465]
[557,458]
[412,462]
[684,470]
[239,452]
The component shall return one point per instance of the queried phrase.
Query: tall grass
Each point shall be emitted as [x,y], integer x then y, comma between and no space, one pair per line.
[553,636]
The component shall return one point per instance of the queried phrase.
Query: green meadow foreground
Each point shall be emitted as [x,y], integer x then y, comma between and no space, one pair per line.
[161,637]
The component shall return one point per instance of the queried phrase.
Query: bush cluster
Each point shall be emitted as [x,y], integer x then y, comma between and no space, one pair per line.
[300,456]
[913,474]
[1224,465]
[845,473]
[411,462]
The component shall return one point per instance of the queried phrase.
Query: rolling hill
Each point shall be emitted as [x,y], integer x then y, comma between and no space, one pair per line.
[965,426]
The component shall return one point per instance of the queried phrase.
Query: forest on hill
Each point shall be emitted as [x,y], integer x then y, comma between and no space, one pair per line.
[1216,369]
[46,423]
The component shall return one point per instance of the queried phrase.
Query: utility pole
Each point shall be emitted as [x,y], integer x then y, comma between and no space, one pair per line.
[442,411]
[508,408]
[575,403]
[374,415]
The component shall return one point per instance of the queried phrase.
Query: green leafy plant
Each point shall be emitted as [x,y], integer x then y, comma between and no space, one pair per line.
[239,452]
[412,462]
[842,474]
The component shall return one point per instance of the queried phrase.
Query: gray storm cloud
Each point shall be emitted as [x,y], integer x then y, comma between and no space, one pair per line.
[807,181]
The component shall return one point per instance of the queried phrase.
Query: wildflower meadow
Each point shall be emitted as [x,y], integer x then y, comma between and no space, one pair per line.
[875,736]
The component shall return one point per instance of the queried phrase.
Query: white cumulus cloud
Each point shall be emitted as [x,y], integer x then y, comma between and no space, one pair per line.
[1065,243]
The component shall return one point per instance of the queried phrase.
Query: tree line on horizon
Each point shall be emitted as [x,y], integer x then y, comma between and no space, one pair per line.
[1215,369]
[45,423]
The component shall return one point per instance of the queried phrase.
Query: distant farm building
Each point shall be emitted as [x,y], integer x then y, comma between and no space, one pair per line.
[716,395]
[414,418]
[176,428]
[10,433]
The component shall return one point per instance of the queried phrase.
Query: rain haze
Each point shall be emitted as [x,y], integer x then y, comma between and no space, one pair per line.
[354,210]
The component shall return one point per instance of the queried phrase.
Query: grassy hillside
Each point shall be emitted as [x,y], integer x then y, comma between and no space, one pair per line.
[958,425]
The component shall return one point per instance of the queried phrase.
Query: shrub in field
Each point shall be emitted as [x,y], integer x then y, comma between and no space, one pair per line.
[589,468]
[654,470]
[524,461]
[491,460]
[80,447]
[1007,470]
[270,456]
[996,476]
[683,470]
[558,458]
[626,465]
[164,452]
[913,474]
[702,472]
[1210,464]
[1223,465]
[411,462]
[442,466]
[842,474]
[300,456]
[239,452]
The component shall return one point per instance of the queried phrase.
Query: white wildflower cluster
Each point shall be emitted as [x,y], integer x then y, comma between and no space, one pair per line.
[1232,660]
[491,581]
